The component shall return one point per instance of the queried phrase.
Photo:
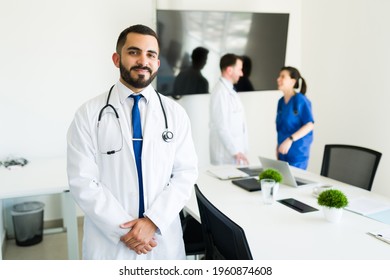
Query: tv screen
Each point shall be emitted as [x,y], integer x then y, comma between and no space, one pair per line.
[198,39]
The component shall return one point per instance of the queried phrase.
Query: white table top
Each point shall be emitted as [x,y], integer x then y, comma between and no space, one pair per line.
[279,232]
[38,177]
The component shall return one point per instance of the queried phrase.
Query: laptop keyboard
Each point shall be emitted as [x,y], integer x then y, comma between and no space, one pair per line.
[300,183]
[254,171]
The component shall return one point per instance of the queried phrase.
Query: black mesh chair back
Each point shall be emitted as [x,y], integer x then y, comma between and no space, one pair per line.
[224,239]
[350,164]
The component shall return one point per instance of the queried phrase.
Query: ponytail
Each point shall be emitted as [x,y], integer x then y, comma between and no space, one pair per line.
[303,85]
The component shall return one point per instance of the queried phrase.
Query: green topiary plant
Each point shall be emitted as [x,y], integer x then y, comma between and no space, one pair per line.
[271,174]
[332,199]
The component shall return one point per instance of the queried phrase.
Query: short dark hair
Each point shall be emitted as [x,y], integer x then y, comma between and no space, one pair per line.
[199,54]
[227,60]
[138,28]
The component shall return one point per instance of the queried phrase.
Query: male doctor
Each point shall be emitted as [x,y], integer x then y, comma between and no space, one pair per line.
[132,211]
[228,129]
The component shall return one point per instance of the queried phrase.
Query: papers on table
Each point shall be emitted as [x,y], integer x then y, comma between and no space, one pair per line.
[371,208]
[383,216]
[366,206]
[227,172]
[383,235]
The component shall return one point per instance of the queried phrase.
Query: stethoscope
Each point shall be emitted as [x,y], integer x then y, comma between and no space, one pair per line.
[167,135]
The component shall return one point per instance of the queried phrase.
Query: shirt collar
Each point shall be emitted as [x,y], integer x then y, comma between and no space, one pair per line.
[228,84]
[124,92]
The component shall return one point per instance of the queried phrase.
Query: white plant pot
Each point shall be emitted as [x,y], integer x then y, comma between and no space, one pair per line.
[276,188]
[333,214]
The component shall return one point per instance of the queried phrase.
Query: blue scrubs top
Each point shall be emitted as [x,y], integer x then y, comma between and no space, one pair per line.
[290,118]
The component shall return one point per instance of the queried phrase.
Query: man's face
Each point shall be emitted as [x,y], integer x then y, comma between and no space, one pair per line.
[138,61]
[237,71]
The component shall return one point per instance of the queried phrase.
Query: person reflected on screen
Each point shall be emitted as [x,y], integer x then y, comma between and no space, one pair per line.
[294,120]
[228,128]
[191,80]
[169,56]
[129,177]
[244,83]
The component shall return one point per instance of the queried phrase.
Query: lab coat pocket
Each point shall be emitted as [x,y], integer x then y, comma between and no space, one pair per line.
[164,154]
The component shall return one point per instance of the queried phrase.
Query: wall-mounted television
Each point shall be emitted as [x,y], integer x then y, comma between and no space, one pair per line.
[260,37]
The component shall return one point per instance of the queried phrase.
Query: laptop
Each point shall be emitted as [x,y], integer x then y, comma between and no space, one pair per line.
[226,172]
[251,171]
[284,168]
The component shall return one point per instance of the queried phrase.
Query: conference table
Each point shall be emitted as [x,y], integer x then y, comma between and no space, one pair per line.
[277,232]
[41,176]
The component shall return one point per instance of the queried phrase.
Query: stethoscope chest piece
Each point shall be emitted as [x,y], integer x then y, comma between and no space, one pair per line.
[167,136]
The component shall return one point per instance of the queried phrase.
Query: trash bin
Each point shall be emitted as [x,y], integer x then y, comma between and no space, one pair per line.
[28,222]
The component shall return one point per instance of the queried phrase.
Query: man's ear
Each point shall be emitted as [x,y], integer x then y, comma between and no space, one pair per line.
[229,70]
[116,58]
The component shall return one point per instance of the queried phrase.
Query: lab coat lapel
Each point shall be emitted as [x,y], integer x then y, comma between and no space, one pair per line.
[151,127]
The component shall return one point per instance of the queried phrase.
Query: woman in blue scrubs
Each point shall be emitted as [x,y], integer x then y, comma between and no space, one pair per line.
[294,120]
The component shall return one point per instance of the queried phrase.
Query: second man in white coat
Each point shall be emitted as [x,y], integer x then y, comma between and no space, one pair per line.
[228,128]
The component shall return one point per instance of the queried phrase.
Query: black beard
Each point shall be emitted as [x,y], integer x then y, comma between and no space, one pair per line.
[139,82]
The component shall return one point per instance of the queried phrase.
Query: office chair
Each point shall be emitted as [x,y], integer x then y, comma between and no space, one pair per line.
[193,236]
[350,164]
[225,240]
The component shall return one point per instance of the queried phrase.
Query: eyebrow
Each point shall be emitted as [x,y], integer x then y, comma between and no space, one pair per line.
[138,49]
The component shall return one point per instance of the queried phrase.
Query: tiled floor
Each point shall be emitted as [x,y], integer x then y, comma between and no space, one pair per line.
[52,247]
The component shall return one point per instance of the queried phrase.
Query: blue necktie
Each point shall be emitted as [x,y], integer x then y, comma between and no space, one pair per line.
[137,146]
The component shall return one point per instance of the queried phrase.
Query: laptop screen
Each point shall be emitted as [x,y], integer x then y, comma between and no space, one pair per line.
[284,168]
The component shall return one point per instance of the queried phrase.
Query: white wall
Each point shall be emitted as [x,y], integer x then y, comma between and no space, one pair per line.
[54,56]
[345,59]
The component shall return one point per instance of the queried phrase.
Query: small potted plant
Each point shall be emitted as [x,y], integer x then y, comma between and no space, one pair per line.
[274,174]
[333,202]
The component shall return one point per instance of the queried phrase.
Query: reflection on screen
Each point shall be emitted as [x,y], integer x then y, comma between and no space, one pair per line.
[260,37]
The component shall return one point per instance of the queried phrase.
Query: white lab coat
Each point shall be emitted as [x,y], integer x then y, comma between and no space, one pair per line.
[106,186]
[228,128]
